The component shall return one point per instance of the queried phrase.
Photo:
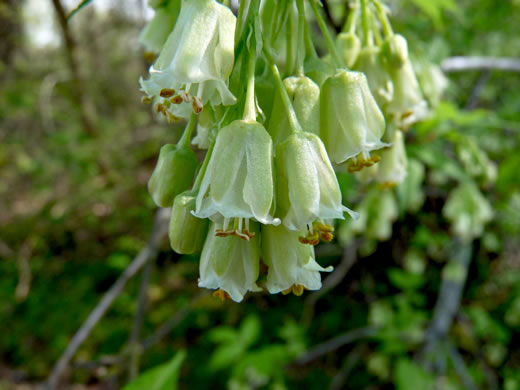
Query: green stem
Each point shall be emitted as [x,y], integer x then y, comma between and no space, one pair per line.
[301,37]
[203,168]
[286,101]
[350,24]
[367,34]
[310,50]
[383,17]
[184,142]
[240,20]
[326,34]
[291,50]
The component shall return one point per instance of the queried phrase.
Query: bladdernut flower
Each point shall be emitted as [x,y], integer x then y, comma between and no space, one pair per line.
[351,122]
[230,265]
[407,106]
[370,63]
[308,192]
[393,166]
[238,183]
[291,264]
[468,211]
[196,60]
[156,32]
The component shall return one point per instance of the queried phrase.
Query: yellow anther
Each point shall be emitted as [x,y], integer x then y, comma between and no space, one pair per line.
[176,99]
[171,118]
[146,100]
[387,185]
[296,289]
[323,227]
[149,56]
[159,108]
[197,105]
[221,294]
[326,236]
[167,92]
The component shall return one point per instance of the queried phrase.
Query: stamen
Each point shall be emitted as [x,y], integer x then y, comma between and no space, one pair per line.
[221,294]
[146,100]
[296,289]
[167,92]
[197,105]
[176,99]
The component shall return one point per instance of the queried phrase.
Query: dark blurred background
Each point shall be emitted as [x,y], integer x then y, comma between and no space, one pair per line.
[77,148]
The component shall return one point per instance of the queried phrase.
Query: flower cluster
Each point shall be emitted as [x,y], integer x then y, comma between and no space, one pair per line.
[267,191]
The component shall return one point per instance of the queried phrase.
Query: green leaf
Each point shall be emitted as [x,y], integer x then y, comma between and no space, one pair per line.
[410,376]
[405,280]
[79,6]
[163,377]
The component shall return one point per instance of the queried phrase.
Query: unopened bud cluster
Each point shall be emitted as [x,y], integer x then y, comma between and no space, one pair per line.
[267,192]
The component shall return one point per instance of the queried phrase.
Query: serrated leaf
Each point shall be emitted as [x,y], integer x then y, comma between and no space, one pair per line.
[163,377]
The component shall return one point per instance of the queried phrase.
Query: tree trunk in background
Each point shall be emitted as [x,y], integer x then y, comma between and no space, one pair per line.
[85,104]
[10,29]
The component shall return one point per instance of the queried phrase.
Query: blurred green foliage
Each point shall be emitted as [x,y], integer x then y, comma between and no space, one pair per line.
[75,211]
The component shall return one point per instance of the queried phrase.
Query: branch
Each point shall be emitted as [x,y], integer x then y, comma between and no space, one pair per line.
[457,64]
[461,369]
[147,253]
[335,343]
[448,301]
[85,105]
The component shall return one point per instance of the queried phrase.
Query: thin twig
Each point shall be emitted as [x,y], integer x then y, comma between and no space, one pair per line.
[457,64]
[335,343]
[477,89]
[448,303]
[461,369]
[339,380]
[142,303]
[147,253]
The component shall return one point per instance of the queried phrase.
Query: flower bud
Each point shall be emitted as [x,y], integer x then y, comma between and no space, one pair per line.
[395,50]
[291,264]
[186,232]
[305,97]
[432,80]
[349,47]
[351,121]
[230,265]
[318,69]
[468,211]
[172,175]
[393,165]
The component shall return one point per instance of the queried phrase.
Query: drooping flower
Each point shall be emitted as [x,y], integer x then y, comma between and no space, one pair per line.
[393,166]
[378,210]
[238,183]
[370,63]
[308,192]
[407,106]
[173,173]
[230,265]
[351,122]
[186,232]
[196,60]
[305,97]
[156,32]
[291,264]
[468,211]
[349,47]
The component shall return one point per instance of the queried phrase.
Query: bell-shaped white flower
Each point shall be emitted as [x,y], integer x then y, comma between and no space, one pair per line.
[407,106]
[196,60]
[230,265]
[156,32]
[238,183]
[370,63]
[393,166]
[468,211]
[308,192]
[291,264]
[351,122]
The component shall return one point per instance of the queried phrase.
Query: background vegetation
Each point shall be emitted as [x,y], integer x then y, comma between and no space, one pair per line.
[420,310]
